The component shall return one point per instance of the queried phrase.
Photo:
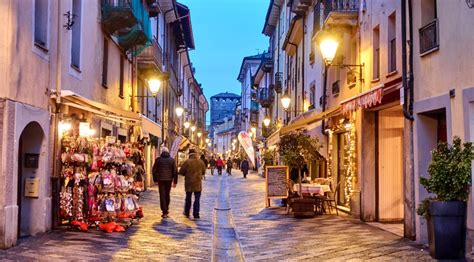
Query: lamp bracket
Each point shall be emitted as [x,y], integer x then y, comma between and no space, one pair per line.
[351,68]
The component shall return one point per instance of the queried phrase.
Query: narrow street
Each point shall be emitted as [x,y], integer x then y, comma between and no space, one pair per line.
[234,226]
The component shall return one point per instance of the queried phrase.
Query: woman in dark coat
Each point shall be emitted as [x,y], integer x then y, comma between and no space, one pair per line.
[244,167]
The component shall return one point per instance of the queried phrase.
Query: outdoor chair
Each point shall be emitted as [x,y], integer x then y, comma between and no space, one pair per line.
[330,199]
[291,195]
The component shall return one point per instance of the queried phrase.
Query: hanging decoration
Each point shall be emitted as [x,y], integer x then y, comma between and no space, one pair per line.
[365,100]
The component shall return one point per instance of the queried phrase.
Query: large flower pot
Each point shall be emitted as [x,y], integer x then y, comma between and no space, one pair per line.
[447,229]
[303,207]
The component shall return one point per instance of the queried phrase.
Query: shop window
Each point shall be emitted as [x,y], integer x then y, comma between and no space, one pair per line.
[105,61]
[392,43]
[122,139]
[376,53]
[105,132]
[41,24]
[76,34]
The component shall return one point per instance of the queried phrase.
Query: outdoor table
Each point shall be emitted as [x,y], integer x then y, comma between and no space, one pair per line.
[312,189]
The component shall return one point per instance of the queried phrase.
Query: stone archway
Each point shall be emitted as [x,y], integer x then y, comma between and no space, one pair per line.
[29,166]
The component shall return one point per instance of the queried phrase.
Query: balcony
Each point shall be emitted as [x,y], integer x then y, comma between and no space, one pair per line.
[265,96]
[254,107]
[128,21]
[302,6]
[254,118]
[278,82]
[152,55]
[429,37]
[341,12]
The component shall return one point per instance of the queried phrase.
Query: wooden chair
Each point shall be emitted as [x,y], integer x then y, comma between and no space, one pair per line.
[291,195]
[330,199]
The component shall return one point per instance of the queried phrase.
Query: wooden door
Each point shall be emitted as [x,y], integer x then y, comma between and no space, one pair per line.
[390,159]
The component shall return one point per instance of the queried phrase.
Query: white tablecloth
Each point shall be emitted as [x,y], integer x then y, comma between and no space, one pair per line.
[312,188]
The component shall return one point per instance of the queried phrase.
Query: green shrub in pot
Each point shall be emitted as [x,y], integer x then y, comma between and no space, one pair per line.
[449,183]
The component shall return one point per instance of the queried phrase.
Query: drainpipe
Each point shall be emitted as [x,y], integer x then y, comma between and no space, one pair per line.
[278,52]
[296,76]
[323,128]
[302,63]
[407,77]
[410,61]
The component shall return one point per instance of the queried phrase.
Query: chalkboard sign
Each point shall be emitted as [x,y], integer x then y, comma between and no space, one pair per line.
[276,182]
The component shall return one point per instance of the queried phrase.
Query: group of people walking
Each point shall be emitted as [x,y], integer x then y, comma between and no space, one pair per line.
[219,164]
[165,175]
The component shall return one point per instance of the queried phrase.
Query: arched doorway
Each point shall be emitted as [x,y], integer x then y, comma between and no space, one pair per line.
[29,161]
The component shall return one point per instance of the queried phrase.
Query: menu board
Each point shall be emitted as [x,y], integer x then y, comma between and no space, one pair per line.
[276,182]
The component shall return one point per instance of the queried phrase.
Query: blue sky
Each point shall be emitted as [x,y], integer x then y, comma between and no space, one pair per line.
[225,31]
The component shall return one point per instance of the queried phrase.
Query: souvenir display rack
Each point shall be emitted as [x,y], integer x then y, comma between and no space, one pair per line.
[101,181]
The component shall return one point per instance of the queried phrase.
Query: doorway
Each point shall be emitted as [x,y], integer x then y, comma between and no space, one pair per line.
[390,204]
[29,159]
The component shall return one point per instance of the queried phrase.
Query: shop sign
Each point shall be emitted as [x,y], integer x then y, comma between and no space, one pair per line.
[364,100]
[246,142]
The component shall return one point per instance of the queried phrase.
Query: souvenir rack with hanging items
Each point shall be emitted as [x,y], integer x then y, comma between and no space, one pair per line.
[101,182]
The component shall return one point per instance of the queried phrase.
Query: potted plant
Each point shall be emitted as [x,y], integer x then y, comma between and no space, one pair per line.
[296,148]
[445,211]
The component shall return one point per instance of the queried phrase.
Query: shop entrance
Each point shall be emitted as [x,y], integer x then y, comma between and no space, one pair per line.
[29,149]
[390,165]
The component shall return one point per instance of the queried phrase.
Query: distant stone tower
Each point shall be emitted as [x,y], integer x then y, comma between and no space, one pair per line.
[222,106]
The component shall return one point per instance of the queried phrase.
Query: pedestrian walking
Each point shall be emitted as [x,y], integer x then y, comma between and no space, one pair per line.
[192,169]
[166,176]
[244,167]
[212,164]
[219,165]
[229,166]
[204,160]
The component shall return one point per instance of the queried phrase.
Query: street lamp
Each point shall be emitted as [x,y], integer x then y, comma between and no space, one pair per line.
[285,101]
[207,140]
[187,124]
[154,85]
[254,130]
[193,128]
[328,48]
[179,111]
[266,121]
[199,134]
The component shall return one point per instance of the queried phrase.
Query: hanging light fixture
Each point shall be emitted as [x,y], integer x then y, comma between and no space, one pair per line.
[328,48]
[154,85]
[266,121]
[187,124]
[285,101]
[179,111]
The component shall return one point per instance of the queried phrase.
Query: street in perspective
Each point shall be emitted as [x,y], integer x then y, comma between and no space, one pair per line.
[236,130]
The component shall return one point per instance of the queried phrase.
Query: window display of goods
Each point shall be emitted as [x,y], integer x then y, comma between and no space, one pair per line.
[101,184]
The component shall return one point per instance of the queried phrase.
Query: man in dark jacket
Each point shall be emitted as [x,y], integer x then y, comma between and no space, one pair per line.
[212,164]
[166,176]
[192,169]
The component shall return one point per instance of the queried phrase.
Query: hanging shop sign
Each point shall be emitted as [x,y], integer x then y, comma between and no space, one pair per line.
[246,142]
[367,99]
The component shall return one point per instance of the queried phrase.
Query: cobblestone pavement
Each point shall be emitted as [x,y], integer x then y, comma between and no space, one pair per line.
[271,235]
[174,239]
[264,234]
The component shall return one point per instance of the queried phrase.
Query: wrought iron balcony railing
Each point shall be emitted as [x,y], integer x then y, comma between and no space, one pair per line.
[278,82]
[152,54]
[429,37]
[342,11]
[129,22]
[265,96]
